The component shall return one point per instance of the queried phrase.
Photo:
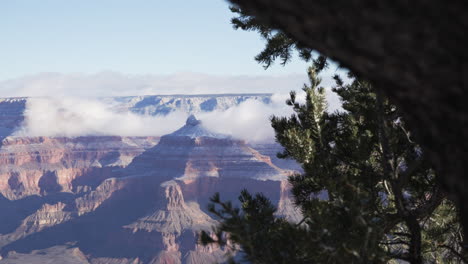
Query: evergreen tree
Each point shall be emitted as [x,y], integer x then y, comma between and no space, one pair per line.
[278,46]
[382,204]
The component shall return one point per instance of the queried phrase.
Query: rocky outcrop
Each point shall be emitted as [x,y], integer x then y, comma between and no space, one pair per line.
[57,254]
[92,200]
[271,150]
[214,155]
[286,206]
[115,261]
[48,215]
[179,223]
[41,165]
[174,216]
[167,257]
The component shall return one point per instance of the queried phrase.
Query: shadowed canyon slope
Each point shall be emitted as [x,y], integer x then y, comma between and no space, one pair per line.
[127,199]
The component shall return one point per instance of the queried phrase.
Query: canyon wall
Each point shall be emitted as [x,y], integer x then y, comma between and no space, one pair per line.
[83,197]
[139,200]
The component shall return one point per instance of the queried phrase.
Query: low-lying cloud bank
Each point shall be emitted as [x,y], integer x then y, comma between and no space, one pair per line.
[117,84]
[249,120]
[66,104]
[74,116]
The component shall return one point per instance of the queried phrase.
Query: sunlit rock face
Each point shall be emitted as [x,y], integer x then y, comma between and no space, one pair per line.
[164,104]
[193,152]
[132,200]
[41,165]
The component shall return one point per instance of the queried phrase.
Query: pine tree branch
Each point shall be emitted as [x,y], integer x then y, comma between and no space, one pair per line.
[455,252]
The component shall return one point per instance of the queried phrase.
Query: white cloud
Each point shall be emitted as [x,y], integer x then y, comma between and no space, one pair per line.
[73,116]
[249,120]
[65,104]
[117,84]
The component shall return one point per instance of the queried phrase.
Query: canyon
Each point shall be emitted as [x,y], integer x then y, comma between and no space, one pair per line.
[139,200]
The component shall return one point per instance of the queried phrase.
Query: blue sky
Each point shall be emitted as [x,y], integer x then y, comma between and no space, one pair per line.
[127,36]
[74,49]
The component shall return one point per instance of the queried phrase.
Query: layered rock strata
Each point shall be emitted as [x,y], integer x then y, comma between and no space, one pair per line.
[113,200]
[42,165]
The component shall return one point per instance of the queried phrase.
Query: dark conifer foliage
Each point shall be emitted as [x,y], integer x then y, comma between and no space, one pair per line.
[382,204]
[414,52]
[278,44]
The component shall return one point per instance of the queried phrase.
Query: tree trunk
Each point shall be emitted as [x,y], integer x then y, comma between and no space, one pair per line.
[415,256]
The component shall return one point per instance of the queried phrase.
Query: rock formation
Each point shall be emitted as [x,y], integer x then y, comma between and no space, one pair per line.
[113,200]
[57,254]
[41,165]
